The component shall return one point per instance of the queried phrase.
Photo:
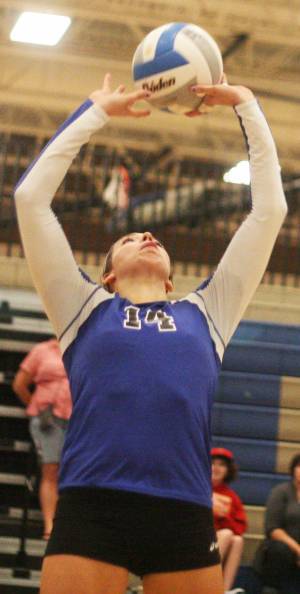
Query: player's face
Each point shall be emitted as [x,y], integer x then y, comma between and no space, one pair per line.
[219,470]
[138,253]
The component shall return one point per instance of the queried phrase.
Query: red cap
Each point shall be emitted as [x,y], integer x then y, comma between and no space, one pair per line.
[222,453]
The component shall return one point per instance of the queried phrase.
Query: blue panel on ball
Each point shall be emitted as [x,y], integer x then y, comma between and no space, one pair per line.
[158,65]
[166,40]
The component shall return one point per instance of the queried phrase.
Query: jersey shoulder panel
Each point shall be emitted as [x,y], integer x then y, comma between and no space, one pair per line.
[196,298]
[97,296]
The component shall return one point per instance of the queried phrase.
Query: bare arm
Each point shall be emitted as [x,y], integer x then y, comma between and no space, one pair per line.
[282,535]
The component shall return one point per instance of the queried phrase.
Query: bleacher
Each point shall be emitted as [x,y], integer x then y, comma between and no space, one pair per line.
[22,324]
[256,415]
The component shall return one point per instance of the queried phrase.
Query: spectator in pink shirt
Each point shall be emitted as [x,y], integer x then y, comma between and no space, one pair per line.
[48,408]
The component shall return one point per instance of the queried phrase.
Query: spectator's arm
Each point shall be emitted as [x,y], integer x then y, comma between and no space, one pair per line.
[275,515]
[282,535]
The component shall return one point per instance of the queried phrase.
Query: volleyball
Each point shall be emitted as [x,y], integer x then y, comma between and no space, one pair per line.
[171,59]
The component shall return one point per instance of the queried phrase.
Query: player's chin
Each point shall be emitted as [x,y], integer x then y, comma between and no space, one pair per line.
[154,261]
[150,253]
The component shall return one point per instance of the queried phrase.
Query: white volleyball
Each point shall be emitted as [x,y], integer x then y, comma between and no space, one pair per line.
[171,59]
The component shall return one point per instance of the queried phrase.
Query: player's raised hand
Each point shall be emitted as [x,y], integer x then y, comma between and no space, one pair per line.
[220,94]
[117,102]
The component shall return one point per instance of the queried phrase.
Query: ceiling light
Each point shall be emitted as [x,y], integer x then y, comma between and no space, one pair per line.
[40,28]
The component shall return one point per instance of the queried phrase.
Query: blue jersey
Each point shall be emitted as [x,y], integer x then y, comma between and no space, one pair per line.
[143,376]
[142,379]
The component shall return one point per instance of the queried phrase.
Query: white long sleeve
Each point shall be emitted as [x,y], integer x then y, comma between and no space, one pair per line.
[243,264]
[54,270]
[49,256]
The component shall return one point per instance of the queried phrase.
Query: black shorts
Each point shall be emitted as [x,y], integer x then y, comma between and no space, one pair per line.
[141,533]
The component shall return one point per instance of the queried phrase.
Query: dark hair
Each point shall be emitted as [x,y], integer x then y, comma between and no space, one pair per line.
[232,469]
[295,461]
[107,267]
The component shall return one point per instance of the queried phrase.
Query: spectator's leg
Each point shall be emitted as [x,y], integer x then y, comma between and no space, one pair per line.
[232,561]
[278,564]
[48,495]
[224,539]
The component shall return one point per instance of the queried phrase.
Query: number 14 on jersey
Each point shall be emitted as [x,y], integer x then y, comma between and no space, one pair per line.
[163,322]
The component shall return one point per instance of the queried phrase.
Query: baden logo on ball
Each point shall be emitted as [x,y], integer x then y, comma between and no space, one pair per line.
[162,84]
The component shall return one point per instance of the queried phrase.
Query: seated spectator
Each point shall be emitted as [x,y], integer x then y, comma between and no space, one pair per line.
[278,558]
[229,515]
[48,408]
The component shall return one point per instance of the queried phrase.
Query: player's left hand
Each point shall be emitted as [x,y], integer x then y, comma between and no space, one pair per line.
[117,102]
[220,94]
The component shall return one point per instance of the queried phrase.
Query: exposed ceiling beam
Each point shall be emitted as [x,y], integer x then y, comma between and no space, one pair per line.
[44,84]
[148,13]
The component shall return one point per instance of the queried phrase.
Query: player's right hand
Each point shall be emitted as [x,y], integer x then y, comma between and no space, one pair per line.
[119,103]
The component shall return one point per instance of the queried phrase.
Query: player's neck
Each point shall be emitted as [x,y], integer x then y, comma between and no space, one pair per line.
[142,291]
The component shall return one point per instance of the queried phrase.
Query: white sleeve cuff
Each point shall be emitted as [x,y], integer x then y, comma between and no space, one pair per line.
[249,107]
[101,113]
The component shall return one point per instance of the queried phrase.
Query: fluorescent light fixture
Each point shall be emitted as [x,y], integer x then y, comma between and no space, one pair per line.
[239,174]
[40,28]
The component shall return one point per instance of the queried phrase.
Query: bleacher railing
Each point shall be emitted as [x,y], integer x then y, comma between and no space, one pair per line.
[108,193]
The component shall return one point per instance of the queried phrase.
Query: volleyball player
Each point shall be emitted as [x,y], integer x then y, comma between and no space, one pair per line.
[135,479]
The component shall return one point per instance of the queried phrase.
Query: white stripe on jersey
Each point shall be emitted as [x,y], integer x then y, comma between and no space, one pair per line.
[98,296]
[198,300]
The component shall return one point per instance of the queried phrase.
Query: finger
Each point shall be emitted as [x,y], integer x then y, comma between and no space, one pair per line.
[136,95]
[140,113]
[209,102]
[204,89]
[107,82]
[120,89]
[194,114]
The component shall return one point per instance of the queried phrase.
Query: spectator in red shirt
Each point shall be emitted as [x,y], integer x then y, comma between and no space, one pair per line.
[48,407]
[229,515]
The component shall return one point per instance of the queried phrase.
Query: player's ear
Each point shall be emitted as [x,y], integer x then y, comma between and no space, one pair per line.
[108,280]
[169,286]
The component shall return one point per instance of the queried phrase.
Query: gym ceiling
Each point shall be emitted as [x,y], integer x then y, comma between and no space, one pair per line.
[260,41]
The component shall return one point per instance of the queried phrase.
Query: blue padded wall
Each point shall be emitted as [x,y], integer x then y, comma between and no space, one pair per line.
[248,388]
[252,455]
[247,410]
[262,357]
[255,488]
[234,420]
[268,332]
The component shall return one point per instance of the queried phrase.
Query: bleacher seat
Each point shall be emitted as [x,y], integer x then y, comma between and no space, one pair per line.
[257,415]
[22,324]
